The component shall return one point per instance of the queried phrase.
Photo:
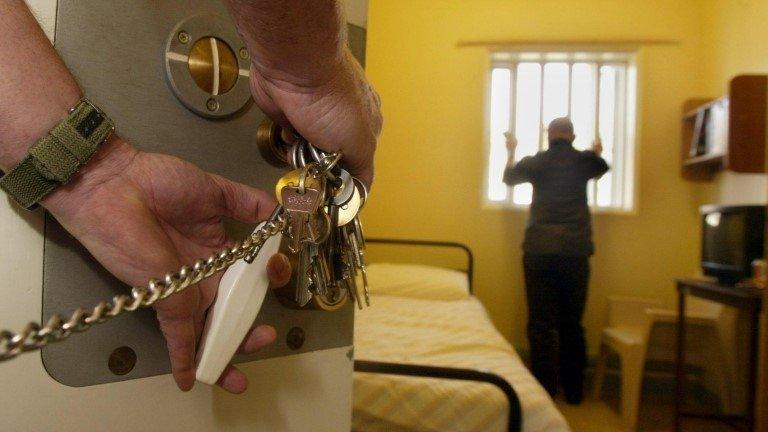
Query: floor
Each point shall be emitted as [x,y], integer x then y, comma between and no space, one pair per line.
[599,416]
[656,412]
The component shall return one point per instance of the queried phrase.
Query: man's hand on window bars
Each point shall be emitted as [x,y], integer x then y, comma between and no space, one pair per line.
[511,143]
[597,146]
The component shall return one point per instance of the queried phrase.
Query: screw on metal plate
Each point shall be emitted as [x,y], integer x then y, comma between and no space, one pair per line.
[212,104]
[122,360]
[184,37]
[243,52]
[296,338]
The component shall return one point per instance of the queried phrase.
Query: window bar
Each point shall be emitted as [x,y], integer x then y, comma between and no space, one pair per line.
[570,89]
[618,112]
[512,118]
[598,80]
[542,129]
[620,152]
[513,99]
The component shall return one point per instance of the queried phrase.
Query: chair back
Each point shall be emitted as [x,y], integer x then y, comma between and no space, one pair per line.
[629,311]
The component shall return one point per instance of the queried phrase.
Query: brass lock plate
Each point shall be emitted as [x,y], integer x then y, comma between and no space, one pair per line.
[208,66]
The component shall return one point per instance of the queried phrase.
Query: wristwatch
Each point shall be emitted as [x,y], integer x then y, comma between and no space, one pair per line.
[56,158]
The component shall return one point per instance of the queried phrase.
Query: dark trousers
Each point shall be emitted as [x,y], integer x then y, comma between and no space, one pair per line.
[556,288]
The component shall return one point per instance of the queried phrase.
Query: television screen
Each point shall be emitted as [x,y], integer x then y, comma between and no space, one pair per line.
[732,237]
[724,239]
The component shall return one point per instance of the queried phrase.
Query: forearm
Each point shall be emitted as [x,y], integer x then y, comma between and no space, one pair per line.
[37,88]
[299,42]
[38,92]
[508,167]
[511,159]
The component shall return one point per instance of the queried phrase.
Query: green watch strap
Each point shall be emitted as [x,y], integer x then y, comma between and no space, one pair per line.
[58,156]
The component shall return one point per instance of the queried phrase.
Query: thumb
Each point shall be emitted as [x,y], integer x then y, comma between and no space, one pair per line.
[242,202]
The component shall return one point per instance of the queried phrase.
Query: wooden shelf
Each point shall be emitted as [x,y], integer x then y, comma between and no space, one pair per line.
[707,159]
[692,113]
[733,128]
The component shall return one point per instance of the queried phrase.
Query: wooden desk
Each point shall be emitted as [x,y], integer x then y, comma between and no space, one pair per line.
[762,372]
[748,299]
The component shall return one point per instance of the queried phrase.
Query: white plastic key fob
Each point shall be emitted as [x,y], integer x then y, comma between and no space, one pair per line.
[241,293]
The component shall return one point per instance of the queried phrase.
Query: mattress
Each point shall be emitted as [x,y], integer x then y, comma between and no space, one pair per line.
[455,333]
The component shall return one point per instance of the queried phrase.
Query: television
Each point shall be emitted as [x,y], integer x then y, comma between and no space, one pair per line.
[732,237]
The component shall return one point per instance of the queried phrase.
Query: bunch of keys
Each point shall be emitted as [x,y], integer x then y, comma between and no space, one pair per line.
[319,206]
[322,202]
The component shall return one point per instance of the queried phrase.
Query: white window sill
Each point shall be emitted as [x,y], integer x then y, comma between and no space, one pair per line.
[524,208]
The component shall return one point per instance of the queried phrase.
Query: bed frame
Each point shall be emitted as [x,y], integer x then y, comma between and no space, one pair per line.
[515,411]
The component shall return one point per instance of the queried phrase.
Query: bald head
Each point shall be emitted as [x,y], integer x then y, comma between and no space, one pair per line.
[561,129]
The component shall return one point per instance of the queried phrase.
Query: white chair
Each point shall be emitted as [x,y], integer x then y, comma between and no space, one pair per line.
[630,321]
[627,335]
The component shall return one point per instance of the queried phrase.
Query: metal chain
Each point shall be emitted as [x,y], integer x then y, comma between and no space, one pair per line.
[36,336]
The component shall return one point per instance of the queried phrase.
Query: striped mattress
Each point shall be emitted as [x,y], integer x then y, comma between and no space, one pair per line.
[456,333]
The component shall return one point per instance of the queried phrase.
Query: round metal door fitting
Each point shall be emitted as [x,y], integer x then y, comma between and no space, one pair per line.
[208,66]
[122,360]
[332,301]
[271,145]
[295,338]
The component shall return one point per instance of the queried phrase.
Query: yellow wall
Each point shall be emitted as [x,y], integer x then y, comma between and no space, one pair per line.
[735,40]
[432,155]
[735,43]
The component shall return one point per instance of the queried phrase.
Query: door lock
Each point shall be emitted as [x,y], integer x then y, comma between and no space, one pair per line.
[208,66]
[213,65]
[272,144]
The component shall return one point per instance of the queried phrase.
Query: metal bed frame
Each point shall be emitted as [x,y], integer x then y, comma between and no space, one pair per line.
[368,366]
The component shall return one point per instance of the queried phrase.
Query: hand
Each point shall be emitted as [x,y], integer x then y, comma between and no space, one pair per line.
[142,215]
[338,112]
[597,146]
[511,142]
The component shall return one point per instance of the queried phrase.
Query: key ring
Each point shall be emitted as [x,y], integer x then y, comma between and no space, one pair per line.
[317,154]
[303,179]
[292,156]
[325,235]
[326,169]
[363,191]
[300,152]
[320,157]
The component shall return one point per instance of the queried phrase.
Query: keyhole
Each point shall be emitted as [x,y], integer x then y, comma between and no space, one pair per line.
[213,65]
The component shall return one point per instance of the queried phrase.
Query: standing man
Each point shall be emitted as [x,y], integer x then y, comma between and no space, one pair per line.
[557,247]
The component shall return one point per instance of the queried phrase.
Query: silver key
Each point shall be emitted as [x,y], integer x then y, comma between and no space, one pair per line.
[303,295]
[351,269]
[358,245]
[302,199]
[319,270]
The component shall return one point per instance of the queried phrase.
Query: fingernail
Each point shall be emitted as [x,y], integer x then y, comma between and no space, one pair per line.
[266,334]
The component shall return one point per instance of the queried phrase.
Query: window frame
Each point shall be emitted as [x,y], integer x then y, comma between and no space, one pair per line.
[627,157]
